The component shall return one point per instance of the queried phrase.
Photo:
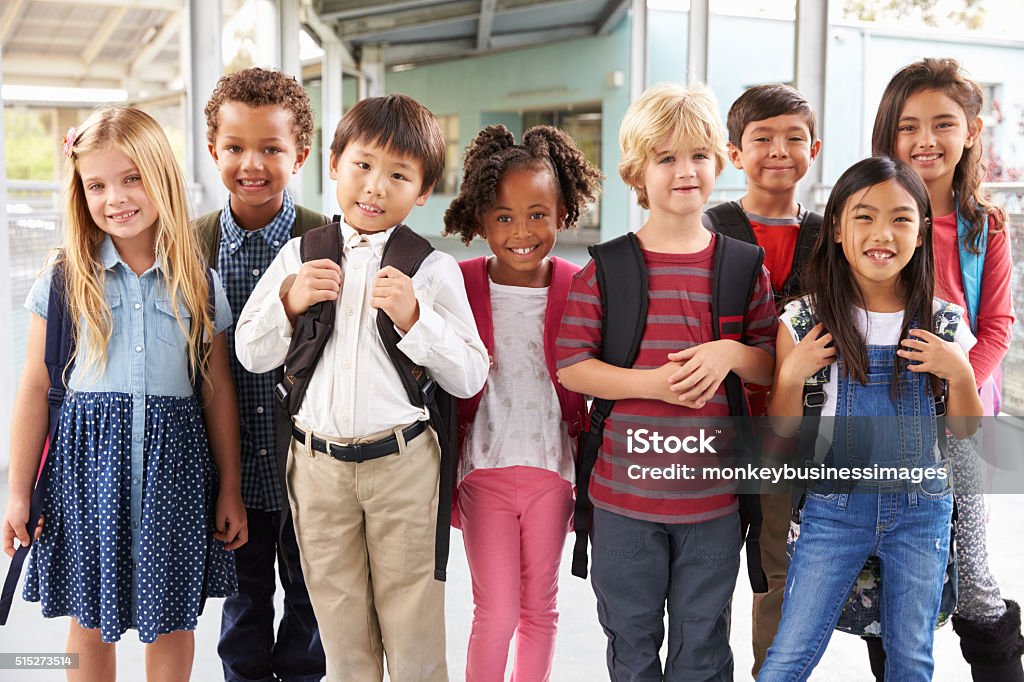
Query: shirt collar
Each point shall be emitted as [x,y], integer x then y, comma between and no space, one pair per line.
[275,233]
[350,238]
[109,257]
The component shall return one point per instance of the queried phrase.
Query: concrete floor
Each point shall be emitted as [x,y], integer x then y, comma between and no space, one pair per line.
[580,649]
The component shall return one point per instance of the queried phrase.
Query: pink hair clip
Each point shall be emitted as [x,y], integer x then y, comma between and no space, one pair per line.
[69,141]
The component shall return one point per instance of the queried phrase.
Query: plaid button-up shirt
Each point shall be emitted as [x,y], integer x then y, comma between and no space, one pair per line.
[243,257]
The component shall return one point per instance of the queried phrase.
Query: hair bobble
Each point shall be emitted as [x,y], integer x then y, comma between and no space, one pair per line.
[69,141]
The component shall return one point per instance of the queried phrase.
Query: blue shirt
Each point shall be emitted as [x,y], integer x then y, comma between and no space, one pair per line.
[243,257]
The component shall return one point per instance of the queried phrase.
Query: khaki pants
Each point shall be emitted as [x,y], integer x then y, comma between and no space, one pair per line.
[776,509]
[366,539]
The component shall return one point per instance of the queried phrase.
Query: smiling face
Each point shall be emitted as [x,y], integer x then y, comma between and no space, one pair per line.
[775,153]
[932,134]
[879,231]
[376,188]
[118,202]
[256,153]
[521,227]
[678,179]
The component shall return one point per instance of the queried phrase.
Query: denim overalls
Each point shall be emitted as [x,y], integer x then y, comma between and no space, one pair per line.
[905,524]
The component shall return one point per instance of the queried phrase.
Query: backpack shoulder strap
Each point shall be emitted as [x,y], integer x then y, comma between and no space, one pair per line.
[730,219]
[622,279]
[972,266]
[208,227]
[562,272]
[734,276]
[405,250]
[313,327]
[57,356]
[306,220]
[810,226]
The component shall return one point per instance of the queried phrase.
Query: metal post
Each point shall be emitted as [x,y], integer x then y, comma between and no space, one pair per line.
[7,377]
[637,85]
[205,65]
[697,41]
[810,62]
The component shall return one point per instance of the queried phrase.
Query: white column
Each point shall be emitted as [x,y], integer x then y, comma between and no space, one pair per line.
[372,64]
[288,20]
[810,62]
[637,85]
[697,41]
[7,377]
[205,65]
[335,59]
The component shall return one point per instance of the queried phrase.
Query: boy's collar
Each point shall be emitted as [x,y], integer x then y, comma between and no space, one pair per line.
[350,237]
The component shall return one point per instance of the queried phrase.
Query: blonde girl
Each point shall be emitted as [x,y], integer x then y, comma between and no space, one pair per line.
[124,541]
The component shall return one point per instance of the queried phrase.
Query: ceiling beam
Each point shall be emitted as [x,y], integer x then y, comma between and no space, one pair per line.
[98,40]
[164,5]
[611,15]
[415,18]
[348,9]
[549,35]
[11,13]
[485,24]
[42,67]
[169,29]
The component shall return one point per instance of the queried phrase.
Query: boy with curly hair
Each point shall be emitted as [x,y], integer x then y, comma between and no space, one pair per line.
[259,126]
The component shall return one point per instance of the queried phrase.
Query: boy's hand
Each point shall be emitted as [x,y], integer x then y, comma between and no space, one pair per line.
[393,293]
[703,368]
[945,359]
[317,280]
[15,525]
[232,523]
[659,384]
[808,356]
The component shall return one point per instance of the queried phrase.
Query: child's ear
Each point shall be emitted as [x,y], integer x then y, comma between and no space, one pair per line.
[213,152]
[562,212]
[815,149]
[300,158]
[422,199]
[735,156]
[973,132]
[837,234]
[334,166]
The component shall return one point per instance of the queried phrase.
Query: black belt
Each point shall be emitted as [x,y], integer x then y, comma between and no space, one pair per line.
[360,452]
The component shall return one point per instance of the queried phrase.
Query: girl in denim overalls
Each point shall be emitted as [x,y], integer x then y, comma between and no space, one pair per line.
[871,278]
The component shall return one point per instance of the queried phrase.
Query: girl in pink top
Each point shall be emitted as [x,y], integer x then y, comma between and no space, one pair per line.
[930,118]
[518,435]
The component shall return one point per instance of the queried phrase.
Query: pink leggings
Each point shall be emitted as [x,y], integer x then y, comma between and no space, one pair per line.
[514,523]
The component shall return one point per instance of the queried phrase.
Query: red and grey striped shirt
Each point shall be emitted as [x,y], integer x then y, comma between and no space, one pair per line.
[678,317]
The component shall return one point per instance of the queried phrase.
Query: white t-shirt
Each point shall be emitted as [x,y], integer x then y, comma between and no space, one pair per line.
[878,329]
[519,421]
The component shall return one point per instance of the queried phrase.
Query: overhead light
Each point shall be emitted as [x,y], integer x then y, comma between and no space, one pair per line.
[65,95]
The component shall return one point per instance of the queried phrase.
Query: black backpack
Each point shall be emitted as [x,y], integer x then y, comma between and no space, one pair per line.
[406,251]
[730,219]
[622,278]
[57,356]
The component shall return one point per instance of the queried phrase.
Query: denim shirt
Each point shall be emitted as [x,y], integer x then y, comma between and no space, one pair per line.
[147,352]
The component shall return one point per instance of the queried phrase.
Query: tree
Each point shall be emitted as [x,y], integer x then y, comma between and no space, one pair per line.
[969,14]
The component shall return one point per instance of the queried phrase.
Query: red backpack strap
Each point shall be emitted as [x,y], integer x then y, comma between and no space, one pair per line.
[573,405]
[478,291]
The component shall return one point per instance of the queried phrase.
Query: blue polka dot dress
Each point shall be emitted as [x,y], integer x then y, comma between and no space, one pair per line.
[129,513]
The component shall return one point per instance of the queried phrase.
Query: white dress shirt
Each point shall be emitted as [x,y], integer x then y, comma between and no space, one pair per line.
[355,390]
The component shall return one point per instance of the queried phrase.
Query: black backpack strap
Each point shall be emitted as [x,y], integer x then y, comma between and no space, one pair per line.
[406,250]
[57,355]
[312,328]
[810,226]
[735,273]
[730,219]
[622,280]
[813,400]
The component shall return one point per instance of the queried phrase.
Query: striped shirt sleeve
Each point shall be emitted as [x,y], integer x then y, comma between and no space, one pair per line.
[579,337]
[761,322]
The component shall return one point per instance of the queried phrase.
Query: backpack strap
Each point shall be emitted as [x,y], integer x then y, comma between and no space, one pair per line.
[730,219]
[972,267]
[57,355]
[307,219]
[622,280]
[208,228]
[313,327]
[810,226]
[736,269]
[572,404]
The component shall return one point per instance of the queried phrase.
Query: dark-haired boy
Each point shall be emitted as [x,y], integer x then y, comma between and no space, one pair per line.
[366,529]
[259,126]
[773,140]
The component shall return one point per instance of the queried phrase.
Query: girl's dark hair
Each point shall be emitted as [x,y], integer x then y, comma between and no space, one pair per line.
[494,153]
[946,76]
[829,276]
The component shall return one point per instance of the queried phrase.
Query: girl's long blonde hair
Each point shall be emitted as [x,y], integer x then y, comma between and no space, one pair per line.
[135,134]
